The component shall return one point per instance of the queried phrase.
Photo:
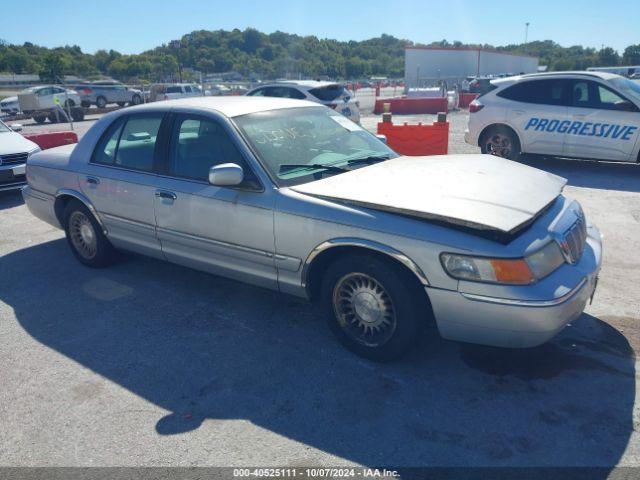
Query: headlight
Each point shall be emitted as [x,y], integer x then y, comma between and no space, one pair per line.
[511,271]
[35,150]
[492,270]
[545,260]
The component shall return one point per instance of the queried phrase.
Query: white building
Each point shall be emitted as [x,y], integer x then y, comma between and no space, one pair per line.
[425,65]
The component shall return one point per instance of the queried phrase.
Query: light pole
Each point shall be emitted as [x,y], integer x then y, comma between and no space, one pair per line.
[526,32]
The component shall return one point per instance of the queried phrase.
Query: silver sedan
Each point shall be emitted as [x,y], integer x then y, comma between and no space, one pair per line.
[292,196]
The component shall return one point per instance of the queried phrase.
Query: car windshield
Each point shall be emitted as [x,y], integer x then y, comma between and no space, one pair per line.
[628,87]
[299,145]
[4,128]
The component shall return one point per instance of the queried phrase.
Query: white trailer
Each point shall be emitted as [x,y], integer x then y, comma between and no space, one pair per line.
[425,65]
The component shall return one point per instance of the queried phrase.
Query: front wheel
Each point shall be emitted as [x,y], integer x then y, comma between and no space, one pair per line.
[501,142]
[136,100]
[101,102]
[373,306]
[85,237]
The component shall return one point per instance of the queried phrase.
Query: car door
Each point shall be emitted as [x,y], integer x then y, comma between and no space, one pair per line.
[223,230]
[121,182]
[538,110]
[605,125]
[45,98]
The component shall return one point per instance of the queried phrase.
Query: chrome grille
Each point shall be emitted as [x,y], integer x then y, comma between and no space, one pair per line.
[574,240]
[14,158]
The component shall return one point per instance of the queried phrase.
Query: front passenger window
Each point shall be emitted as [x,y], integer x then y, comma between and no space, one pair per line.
[199,144]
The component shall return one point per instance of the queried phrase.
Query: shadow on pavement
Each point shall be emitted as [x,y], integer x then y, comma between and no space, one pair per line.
[10,199]
[207,348]
[590,174]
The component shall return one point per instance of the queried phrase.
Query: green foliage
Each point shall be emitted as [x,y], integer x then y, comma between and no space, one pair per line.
[256,54]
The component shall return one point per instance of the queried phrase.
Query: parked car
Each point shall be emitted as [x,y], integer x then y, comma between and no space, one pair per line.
[292,196]
[171,91]
[14,152]
[480,85]
[9,106]
[593,115]
[332,95]
[46,97]
[104,92]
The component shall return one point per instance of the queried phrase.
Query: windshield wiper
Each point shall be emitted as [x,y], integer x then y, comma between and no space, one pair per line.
[369,159]
[313,166]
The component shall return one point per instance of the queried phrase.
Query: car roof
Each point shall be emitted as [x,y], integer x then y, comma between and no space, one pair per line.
[231,106]
[568,74]
[300,83]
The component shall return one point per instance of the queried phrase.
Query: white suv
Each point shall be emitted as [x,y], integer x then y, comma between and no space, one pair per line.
[332,95]
[592,115]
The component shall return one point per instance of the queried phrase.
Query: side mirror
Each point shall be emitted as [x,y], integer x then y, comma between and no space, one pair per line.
[226,175]
[16,127]
[382,138]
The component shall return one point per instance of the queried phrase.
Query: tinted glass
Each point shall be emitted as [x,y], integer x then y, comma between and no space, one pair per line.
[174,90]
[545,92]
[137,142]
[105,152]
[329,93]
[258,93]
[199,144]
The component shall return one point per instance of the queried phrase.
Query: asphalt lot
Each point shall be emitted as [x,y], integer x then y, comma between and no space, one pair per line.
[148,363]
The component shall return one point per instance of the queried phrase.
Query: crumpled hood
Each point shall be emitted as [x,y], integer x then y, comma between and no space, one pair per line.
[478,191]
[12,142]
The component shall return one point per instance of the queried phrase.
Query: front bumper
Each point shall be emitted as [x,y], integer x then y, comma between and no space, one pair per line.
[516,322]
[12,177]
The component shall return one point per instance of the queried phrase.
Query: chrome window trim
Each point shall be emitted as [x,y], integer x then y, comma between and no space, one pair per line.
[526,303]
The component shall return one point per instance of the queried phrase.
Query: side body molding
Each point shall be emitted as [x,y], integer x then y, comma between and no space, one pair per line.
[366,244]
[87,203]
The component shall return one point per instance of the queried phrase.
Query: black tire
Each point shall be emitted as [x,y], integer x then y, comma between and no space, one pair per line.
[77,114]
[85,104]
[502,142]
[136,100]
[53,118]
[101,102]
[121,104]
[40,119]
[91,247]
[69,104]
[394,295]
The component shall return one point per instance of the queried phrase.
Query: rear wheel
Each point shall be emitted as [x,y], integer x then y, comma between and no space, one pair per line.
[101,102]
[372,306]
[136,100]
[501,142]
[40,119]
[85,237]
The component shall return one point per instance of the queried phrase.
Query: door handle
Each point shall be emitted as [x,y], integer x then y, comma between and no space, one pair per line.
[93,181]
[166,194]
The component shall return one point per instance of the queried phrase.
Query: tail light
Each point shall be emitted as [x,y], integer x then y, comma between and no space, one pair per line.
[86,91]
[475,106]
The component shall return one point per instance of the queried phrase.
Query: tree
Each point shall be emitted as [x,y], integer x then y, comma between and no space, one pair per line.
[54,66]
[631,55]
[608,57]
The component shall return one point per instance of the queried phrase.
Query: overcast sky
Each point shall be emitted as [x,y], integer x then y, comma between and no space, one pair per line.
[132,26]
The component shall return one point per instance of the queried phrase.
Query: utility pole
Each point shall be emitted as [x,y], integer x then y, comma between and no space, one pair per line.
[526,32]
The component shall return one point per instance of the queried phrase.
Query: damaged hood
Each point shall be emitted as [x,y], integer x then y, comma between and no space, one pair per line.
[477,191]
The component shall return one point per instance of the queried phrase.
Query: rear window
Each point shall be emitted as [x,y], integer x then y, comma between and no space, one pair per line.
[329,93]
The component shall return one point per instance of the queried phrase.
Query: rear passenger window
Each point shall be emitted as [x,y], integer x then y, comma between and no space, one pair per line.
[105,152]
[137,142]
[129,142]
[544,92]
